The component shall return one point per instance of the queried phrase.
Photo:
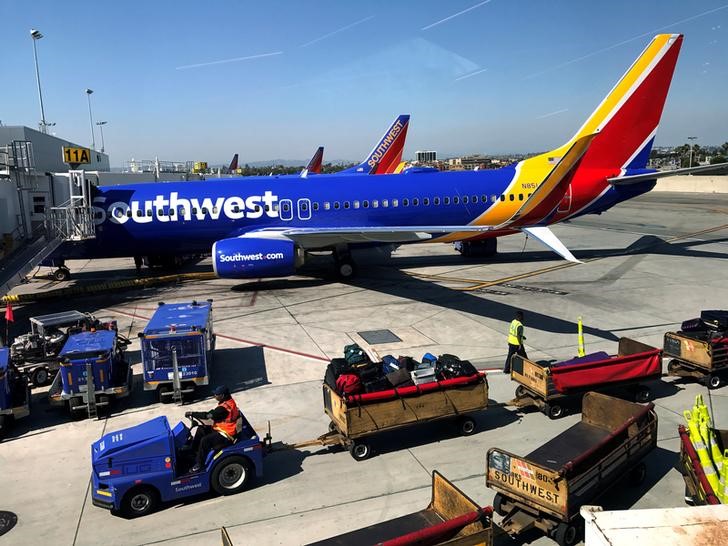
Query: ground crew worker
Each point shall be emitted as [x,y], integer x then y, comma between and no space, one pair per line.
[223,430]
[515,341]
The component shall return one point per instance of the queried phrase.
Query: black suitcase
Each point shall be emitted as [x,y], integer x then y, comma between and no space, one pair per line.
[369,373]
[400,378]
[378,384]
[329,377]
[716,319]
[339,366]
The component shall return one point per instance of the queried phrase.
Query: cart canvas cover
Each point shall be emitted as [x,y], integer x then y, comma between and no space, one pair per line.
[150,439]
[584,372]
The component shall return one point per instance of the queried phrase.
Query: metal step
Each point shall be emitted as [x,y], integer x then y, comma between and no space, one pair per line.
[18,265]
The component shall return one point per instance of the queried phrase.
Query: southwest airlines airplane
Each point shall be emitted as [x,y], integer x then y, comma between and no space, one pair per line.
[264,227]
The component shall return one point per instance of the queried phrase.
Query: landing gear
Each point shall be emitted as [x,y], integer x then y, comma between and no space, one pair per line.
[345,266]
[62,273]
[482,249]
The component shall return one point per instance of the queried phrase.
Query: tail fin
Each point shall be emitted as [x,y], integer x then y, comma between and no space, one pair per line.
[314,166]
[627,118]
[233,164]
[387,154]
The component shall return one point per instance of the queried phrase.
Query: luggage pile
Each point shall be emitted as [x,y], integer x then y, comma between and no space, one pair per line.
[355,373]
[712,325]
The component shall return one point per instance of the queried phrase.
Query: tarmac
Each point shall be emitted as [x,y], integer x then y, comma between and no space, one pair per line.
[649,264]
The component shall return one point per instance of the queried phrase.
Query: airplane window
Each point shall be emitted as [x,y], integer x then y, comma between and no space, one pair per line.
[315,206]
[483,198]
[520,197]
[160,213]
[267,208]
[436,201]
[465,199]
[286,207]
[405,202]
[236,208]
[304,206]
[203,210]
[426,201]
[455,200]
[214,209]
[346,204]
[395,202]
[512,197]
[128,214]
[356,204]
[415,202]
[502,197]
[327,205]
[474,200]
[149,212]
[365,204]
[256,208]
[172,212]
[494,198]
[445,200]
[336,205]
[375,204]
[385,202]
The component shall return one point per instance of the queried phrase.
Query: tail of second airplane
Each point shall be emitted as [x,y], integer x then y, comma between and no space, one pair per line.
[314,166]
[233,164]
[386,156]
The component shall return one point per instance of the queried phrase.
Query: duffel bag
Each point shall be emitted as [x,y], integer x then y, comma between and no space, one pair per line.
[400,378]
[355,354]
[369,372]
[450,367]
[390,364]
[376,385]
[407,362]
[348,383]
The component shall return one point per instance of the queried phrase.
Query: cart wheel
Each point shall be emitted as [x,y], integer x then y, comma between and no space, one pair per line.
[467,426]
[643,395]
[360,450]
[40,377]
[638,474]
[521,391]
[673,366]
[139,501]
[498,502]
[714,381]
[231,475]
[566,534]
[554,411]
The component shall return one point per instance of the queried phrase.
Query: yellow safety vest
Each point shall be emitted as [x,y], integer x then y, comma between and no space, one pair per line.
[513,332]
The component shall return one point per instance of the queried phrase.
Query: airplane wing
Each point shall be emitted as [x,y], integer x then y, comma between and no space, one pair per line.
[634,178]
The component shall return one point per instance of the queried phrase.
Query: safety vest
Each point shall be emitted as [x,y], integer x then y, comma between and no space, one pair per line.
[227,427]
[705,461]
[513,332]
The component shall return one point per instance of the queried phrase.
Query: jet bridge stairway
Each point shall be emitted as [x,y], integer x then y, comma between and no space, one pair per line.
[71,222]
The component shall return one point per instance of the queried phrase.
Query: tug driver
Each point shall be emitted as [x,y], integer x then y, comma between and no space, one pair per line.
[223,430]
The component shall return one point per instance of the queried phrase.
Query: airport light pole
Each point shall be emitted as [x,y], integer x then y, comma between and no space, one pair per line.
[691,138]
[91,118]
[36,35]
[101,128]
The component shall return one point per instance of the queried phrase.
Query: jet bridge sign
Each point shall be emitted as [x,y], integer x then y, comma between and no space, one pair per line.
[76,156]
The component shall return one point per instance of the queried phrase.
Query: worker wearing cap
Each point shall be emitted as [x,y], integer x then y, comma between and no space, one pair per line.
[223,430]
[515,341]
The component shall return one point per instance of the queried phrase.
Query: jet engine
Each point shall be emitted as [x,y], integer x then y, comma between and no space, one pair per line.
[252,257]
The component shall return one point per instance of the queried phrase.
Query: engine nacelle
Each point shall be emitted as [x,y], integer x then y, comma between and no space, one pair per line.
[250,257]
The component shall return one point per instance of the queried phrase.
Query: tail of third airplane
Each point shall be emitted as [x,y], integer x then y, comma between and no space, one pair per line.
[386,156]
[233,164]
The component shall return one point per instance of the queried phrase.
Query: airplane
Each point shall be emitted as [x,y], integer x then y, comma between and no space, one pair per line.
[265,227]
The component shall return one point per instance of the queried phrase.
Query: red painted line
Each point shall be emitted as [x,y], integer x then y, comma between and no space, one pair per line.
[239,340]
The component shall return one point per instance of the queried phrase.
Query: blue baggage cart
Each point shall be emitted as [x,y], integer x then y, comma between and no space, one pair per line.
[93,370]
[14,392]
[176,346]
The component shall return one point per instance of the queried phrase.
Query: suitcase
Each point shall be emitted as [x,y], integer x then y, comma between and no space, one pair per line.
[390,364]
[376,385]
[407,362]
[400,378]
[718,320]
[423,375]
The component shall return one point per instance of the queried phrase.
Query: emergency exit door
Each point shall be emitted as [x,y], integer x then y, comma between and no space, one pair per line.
[286,209]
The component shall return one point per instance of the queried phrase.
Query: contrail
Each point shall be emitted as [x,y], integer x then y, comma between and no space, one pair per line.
[455,15]
[552,113]
[613,46]
[235,60]
[342,29]
[471,74]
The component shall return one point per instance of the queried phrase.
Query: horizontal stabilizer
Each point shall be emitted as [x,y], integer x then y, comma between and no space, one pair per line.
[547,237]
[634,178]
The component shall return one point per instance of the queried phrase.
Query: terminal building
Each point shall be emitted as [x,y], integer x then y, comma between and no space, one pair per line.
[426,156]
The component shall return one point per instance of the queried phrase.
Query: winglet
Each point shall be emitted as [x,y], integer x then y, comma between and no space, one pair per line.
[545,236]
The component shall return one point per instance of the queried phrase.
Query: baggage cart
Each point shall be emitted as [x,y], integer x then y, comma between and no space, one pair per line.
[93,371]
[14,392]
[177,347]
[546,488]
[451,519]
[555,387]
[354,421]
[697,489]
[704,359]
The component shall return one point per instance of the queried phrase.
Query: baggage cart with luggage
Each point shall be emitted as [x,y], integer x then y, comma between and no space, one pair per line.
[555,387]
[546,488]
[700,349]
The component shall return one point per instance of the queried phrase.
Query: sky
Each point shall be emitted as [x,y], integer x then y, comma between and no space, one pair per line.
[183,80]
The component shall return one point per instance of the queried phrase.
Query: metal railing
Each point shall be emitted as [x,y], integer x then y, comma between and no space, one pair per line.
[72,222]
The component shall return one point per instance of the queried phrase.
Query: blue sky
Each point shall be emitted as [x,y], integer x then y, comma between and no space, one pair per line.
[502,76]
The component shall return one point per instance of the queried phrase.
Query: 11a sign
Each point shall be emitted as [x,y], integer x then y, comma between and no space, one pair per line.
[76,156]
